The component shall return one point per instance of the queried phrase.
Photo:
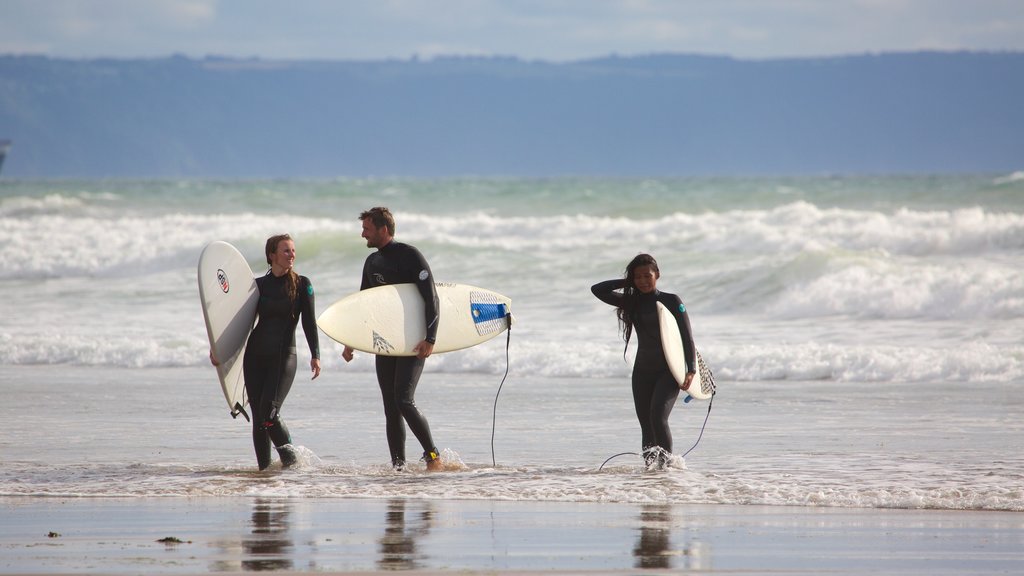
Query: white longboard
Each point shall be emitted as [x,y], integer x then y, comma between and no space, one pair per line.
[702,387]
[388,320]
[227,290]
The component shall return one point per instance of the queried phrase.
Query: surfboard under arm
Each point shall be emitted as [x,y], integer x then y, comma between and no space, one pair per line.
[388,320]
[702,387]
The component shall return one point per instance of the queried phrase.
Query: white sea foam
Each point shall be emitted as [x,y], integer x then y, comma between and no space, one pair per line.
[55,246]
[626,483]
[1010,178]
[791,228]
[876,362]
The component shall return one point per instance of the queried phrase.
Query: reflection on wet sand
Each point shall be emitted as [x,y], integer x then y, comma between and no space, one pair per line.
[654,543]
[269,546]
[265,545]
[398,546]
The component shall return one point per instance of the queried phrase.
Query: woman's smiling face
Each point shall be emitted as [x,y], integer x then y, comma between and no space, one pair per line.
[645,278]
[283,258]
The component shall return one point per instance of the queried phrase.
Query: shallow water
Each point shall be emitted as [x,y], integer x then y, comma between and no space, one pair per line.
[166,432]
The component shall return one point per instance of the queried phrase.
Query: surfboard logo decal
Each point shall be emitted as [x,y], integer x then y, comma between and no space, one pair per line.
[222,277]
[381,345]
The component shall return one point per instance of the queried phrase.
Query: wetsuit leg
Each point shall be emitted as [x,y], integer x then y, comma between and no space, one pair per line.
[398,377]
[257,371]
[407,376]
[394,426]
[279,431]
[267,378]
[666,390]
[643,394]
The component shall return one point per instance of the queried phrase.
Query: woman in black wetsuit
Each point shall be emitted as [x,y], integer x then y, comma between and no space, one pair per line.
[654,389]
[270,361]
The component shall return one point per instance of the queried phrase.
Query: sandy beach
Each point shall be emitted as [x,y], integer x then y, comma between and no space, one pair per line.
[231,535]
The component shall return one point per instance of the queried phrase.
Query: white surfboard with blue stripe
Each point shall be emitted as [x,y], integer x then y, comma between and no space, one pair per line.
[388,320]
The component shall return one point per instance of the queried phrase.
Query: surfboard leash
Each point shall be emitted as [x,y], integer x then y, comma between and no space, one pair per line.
[614,457]
[711,401]
[494,412]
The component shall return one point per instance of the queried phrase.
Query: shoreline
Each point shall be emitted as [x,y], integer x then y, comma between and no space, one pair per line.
[424,536]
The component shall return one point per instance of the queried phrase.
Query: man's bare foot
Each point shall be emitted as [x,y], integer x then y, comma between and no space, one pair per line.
[433,460]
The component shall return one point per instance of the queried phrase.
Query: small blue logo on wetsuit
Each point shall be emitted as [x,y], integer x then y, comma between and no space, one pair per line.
[309,289]
[681,307]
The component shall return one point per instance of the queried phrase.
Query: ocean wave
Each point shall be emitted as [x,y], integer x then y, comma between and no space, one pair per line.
[58,243]
[791,229]
[554,359]
[26,206]
[888,288]
[1009,179]
[55,246]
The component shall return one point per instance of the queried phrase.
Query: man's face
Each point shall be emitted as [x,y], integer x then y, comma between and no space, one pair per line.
[375,237]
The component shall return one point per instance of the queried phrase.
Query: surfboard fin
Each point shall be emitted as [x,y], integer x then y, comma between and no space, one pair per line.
[239,409]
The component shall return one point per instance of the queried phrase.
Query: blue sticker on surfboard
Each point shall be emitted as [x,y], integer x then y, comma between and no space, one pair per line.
[489,315]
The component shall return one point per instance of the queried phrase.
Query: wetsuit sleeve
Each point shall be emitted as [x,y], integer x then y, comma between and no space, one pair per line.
[425,284]
[308,315]
[675,305]
[606,291]
[365,281]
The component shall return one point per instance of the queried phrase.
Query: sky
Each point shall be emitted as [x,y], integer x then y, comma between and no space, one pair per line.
[550,30]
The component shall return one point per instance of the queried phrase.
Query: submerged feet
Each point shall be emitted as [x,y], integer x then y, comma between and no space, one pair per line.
[288,455]
[657,458]
[431,457]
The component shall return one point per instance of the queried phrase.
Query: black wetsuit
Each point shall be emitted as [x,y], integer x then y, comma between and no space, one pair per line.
[270,361]
[654,389]
[398,263]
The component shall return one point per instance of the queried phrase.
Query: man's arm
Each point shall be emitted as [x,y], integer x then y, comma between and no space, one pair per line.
[431,303]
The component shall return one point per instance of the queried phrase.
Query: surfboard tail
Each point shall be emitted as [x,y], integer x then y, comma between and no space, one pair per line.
[490,315]
[707,379]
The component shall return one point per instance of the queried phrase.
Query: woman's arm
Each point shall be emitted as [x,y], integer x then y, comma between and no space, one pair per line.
[606,291]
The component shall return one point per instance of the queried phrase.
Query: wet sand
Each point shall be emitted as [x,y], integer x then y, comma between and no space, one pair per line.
[233,535]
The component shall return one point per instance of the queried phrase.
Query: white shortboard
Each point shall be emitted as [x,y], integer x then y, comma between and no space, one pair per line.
[702,387]
[388,320]
[227,290]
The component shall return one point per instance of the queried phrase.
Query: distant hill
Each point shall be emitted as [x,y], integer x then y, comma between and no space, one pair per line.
[659,115]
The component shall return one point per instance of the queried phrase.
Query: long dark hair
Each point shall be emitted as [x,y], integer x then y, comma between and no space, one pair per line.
[293,278]
[631,294]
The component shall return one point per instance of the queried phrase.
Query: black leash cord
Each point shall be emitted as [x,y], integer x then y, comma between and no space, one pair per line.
[494,412]
[616,456]
[710,402]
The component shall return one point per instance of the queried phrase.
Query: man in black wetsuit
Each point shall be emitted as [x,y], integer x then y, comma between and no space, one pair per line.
[398,263]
